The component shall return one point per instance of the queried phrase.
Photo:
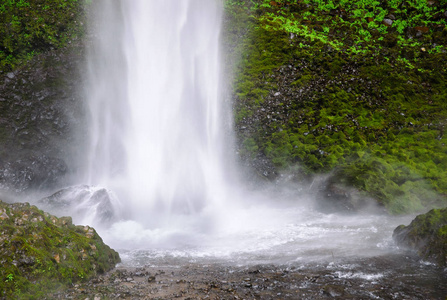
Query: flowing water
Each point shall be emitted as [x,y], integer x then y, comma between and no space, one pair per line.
[158,117]
[161,143]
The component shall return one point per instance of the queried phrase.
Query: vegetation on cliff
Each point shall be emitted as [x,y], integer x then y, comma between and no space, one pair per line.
[40,252]
[30,27]
[356,88]
[427,234]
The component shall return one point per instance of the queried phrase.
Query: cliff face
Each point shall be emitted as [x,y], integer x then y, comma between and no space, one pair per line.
[41,108]
[41,113]
[352,89]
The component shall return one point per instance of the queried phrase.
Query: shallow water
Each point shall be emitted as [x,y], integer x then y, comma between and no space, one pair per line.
[300,237]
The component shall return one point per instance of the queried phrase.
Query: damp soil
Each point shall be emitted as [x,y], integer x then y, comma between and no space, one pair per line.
[397,276]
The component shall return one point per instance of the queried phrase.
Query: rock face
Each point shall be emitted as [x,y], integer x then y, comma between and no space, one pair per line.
[39,252]
[41,118]
[427,234]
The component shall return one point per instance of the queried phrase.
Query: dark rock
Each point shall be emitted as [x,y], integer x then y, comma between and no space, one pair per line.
[41,118]
[427,235]
[391,17]
[334,197]
[34,172]
[82,201]
[333,291]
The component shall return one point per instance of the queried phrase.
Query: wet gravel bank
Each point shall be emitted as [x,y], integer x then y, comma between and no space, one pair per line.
[389,277]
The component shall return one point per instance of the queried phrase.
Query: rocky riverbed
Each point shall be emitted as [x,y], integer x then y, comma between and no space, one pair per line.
[398,276]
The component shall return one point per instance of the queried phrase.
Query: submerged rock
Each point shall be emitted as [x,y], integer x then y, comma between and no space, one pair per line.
[427,234]
[40,252]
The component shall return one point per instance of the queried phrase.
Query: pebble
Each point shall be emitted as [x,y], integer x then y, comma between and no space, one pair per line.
[387,22]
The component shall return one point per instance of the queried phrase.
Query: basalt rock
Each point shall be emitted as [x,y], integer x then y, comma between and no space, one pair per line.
[83,201]
[427,235]
[40,252]
[41,118]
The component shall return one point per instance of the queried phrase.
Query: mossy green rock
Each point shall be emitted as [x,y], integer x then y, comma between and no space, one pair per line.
[40,252]
[427,234]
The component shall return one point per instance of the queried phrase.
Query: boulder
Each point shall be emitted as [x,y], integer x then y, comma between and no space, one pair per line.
[40,252]
[86,204]
[335,196]
[427,235]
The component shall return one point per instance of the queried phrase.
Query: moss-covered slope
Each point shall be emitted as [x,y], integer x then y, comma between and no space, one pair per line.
[40,252]
[427,234]
[356,88]
[31,27]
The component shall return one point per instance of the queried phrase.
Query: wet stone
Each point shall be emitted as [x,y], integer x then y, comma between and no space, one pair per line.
[387,22]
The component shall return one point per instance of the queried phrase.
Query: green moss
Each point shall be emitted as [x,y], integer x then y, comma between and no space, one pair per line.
[40,252]
[349,94]
[30,27]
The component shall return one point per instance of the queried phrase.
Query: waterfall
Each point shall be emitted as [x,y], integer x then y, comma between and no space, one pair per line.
[161,147]
[159,128]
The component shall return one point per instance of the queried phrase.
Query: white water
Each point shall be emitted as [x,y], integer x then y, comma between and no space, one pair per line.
[158,119]
[160,142]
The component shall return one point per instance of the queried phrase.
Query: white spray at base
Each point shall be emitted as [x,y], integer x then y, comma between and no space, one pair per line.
[161,142]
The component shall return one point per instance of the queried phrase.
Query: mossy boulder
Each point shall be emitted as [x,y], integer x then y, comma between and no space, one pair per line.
[427,234]
[40,252]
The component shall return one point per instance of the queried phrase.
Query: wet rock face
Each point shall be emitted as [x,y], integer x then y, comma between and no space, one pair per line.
[83,201]
[34,172]
[427,235]
[40,110]
[39,251]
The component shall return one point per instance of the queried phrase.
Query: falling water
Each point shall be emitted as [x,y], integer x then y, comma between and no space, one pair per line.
[158,120]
